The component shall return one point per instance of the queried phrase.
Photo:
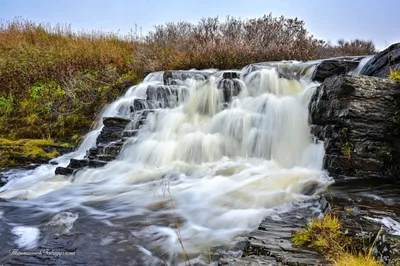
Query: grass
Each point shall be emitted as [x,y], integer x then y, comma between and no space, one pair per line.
[54,81]
[360,259]
[326,237]
[395,74]
[27,150]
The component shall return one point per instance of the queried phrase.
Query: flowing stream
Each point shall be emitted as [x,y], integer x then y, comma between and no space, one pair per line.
[199,175]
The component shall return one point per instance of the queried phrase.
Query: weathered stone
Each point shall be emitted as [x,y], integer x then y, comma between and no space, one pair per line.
[231,75]
[333,67]
[230,87]
[97,163]
[358,120]
[172,77]
[76,163]
[112,130]
[272,239]
[64,171]
[117,122]
[130,133]
[382,62]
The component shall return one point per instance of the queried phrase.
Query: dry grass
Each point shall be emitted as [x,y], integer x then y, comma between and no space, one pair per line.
[395,74]
[325,236]
[53,81]
[360,259]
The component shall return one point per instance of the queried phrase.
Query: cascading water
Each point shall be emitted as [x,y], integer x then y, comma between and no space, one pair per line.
[201,171]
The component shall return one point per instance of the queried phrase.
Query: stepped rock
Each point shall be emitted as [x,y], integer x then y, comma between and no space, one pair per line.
[358,119]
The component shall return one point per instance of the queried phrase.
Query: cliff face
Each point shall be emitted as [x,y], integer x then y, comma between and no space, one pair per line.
[358,118]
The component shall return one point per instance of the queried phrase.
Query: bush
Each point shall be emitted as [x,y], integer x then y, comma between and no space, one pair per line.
[53,81]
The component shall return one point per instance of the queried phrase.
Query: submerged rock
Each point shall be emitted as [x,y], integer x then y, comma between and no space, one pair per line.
[382,62]
[358,119]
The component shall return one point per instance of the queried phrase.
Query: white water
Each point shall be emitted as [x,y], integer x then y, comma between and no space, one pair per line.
[218,171]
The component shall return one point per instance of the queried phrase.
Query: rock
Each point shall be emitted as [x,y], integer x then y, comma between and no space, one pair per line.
[163,96]
[231,75]
[130,133]
[112,130]
[97,163]
[271,242]
[334,67]
[76,163]
[382,62]
[173,77]
[230,87]
[358,118]
[117,122]
[64,171]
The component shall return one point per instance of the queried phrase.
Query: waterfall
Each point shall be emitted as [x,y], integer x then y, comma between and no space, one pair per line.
[218,152]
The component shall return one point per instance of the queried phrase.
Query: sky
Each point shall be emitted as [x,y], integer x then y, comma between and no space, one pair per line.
[331,20]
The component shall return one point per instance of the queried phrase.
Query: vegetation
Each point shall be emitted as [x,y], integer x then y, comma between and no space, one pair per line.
[395,74]
[53,81]
[25,151]
[325,236]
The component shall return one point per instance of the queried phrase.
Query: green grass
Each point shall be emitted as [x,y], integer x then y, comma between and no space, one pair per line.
[395,74]
[29,149]
[325,236]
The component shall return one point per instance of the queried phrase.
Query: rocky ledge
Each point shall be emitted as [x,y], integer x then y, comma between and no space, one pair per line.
[358,119]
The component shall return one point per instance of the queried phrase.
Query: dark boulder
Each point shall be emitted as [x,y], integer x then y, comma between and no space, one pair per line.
[76,163]
[112,130]
[117,122]
[334,67]
[382,62]
[64,171]
[231,75]
[358,119]
[230,88]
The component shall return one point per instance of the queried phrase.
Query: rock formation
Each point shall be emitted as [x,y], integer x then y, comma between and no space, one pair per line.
[358,120]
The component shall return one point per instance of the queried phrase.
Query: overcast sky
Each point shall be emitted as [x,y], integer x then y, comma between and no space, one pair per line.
[375,20]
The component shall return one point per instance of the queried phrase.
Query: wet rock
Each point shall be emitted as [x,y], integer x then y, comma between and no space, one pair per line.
[139,104]
[358,120]
[64,171]
[334,67]
[130,133]
[382,62]
[230,87]
[97,163]
[172,77]
[231,75]
[271,243]
[76,164]
[117,122]
[112,130]
[248,261]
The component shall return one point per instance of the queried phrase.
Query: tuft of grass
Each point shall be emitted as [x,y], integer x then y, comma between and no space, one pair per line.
[326,237]
[395,74]
[360,259]
[323,235]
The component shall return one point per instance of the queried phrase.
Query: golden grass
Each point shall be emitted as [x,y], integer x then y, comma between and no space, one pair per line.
[360,259]
[53,80]
[325,236]
[395,74]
